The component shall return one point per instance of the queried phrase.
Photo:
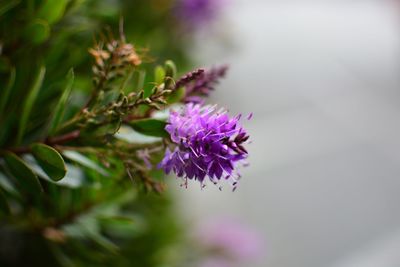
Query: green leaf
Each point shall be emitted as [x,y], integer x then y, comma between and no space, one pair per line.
[50,161]
[120,226]
[151,127]
[170,73]
[62,103]
[84,161]
[30,100]
[6,93]
[127,134]
[170,69]
[159,74]
[6,185]
[102,241]
[23,173]
[52,10]
[72,179]
[37,31]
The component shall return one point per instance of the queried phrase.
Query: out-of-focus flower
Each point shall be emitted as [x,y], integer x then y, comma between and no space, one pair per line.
[208,143]
[215,262]
[145,156]
[197,13]
[231,240]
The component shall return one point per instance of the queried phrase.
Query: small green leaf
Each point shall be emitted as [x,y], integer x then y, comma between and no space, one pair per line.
[30,100]
[159,74]
[170,73]
[62,103]
[170,69]
[50,161]
[23,173]
[151,127]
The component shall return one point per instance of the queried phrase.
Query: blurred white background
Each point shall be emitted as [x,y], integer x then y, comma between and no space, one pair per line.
[322,78]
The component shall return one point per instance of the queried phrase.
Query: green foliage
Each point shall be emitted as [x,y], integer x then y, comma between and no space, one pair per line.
[159,74]
[66,191]
[26,178]
[62,103]
[170,73]
[38,31]
[176,96]
[28,104]
[7,90]
[151,127]
[52,11]
[50,161]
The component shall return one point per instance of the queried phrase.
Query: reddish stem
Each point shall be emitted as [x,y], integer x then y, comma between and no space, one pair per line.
[58,140]
[63,138]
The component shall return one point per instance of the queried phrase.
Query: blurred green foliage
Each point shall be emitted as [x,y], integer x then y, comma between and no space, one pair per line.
[93,216]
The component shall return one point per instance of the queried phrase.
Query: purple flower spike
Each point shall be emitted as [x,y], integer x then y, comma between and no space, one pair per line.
[201,83]
[208,143]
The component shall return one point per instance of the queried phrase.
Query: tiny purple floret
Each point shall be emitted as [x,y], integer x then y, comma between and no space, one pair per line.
[208,143]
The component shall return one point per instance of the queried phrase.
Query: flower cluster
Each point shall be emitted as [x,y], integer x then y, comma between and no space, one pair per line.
[207,143]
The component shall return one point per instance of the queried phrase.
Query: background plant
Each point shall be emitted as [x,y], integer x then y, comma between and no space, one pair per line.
[69,81]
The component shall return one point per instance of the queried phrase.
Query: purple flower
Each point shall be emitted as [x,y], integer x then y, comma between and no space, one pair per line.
[207,143]
[196,13]
[232,239]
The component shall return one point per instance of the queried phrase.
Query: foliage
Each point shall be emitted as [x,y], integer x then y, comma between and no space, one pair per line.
[72,191]
[81,135]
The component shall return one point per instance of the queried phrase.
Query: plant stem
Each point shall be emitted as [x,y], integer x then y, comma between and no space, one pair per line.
[49,141]
[63,138]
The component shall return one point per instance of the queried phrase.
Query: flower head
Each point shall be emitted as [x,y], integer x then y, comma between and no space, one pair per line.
[207,143]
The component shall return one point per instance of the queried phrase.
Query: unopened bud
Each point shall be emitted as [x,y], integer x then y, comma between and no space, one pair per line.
[170,69]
